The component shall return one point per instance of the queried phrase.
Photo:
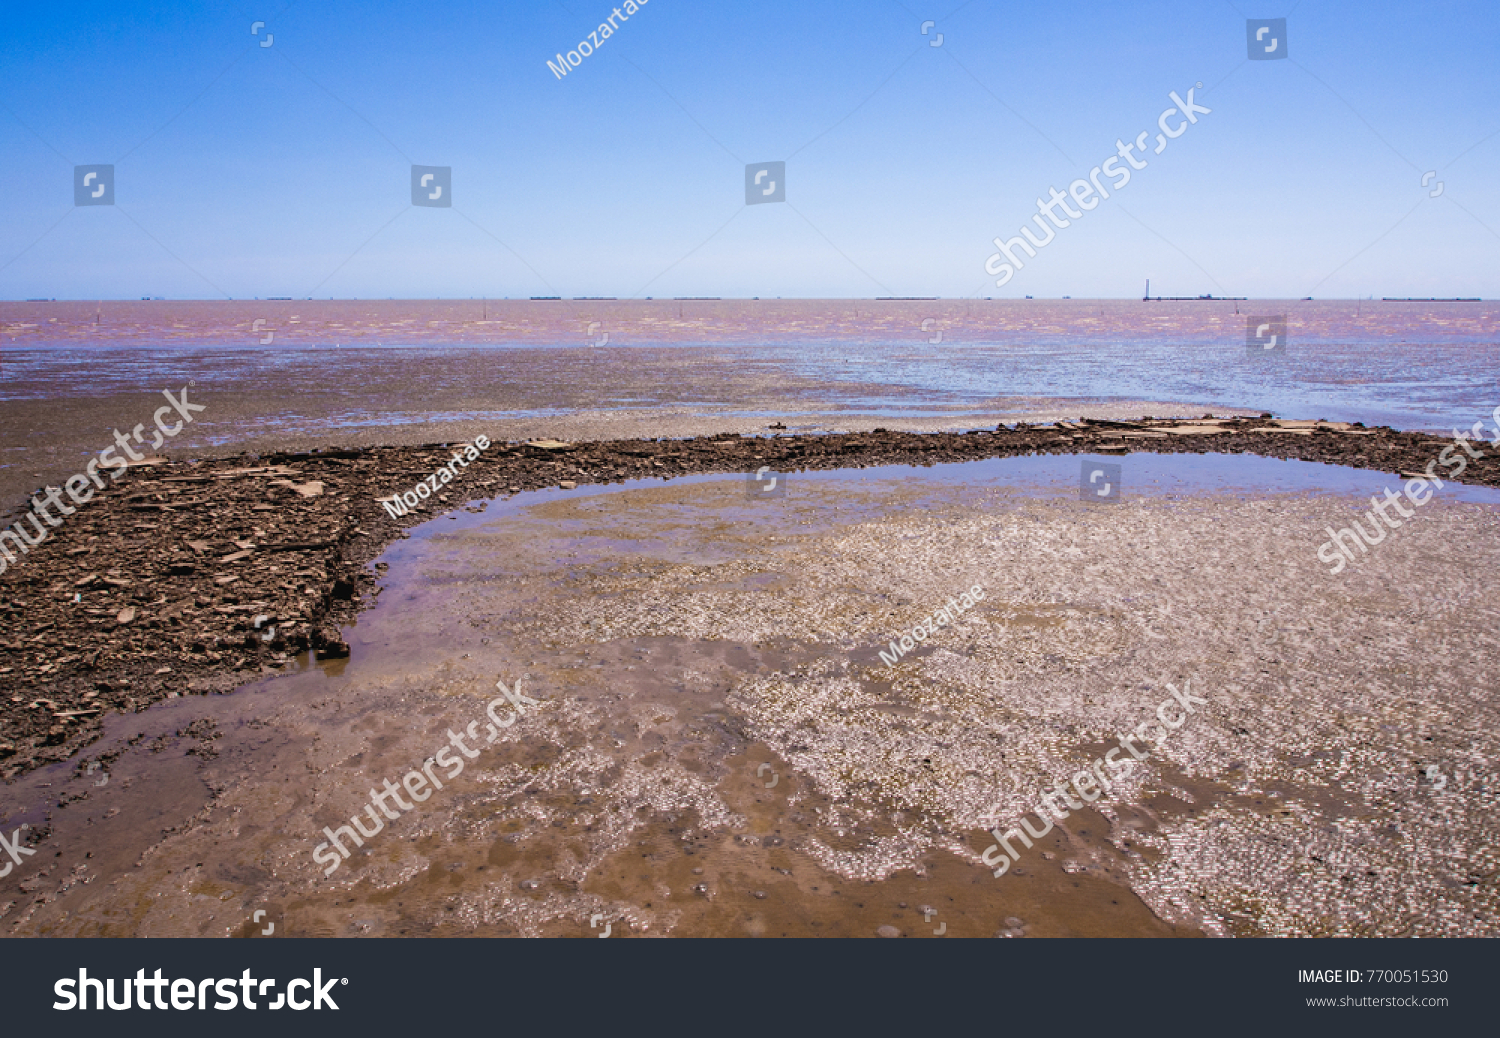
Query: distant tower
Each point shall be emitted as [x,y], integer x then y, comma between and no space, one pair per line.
[1147,297]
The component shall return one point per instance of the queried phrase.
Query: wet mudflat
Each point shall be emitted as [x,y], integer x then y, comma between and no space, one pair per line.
[305,374]
[173,580]
[717,748]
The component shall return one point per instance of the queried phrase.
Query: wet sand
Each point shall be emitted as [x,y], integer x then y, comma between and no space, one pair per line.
[688,647]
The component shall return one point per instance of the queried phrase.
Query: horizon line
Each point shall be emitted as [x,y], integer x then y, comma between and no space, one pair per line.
[751,299]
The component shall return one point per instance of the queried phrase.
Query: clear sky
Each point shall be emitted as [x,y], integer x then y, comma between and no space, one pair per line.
[244,170]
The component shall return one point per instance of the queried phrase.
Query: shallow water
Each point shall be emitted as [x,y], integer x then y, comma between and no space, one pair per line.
[1410,365]
[709,698]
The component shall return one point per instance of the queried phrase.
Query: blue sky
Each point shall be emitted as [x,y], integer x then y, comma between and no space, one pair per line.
[245,171]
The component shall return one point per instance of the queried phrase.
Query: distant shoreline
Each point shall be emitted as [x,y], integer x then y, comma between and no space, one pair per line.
[1211,298]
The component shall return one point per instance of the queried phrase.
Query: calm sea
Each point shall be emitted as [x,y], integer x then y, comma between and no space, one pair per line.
[1423,365]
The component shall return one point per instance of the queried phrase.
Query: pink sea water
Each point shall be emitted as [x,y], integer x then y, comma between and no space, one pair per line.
[1422,365]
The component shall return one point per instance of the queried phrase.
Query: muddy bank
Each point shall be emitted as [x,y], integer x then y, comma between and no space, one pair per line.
[192,577]
[712,745]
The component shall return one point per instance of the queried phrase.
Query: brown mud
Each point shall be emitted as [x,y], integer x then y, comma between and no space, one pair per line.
[715,749]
